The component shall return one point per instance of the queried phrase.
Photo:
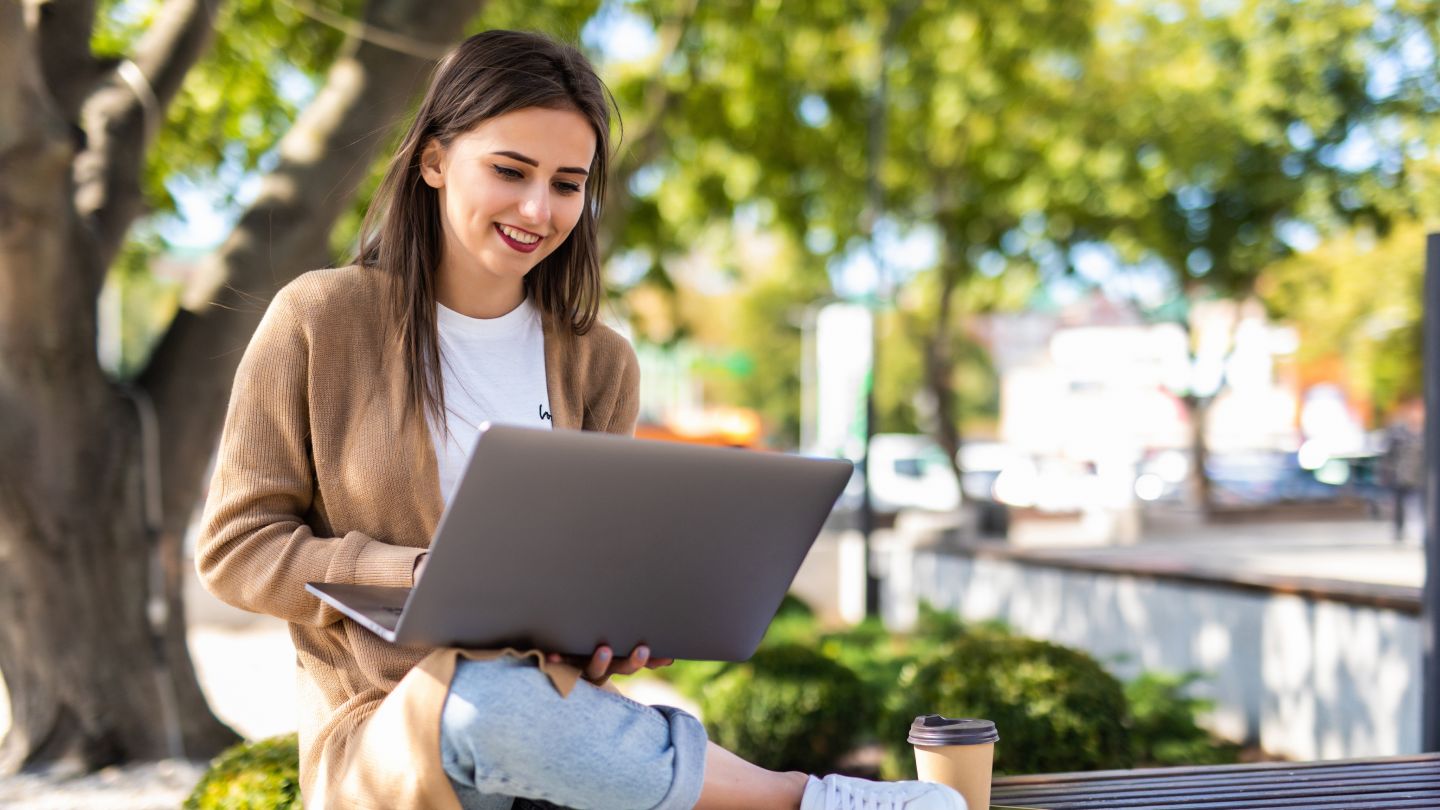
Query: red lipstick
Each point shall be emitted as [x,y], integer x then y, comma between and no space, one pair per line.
[520,246]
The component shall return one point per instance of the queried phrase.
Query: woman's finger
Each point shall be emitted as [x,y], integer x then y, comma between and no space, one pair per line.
[656,663]
[636,662]
[599,667]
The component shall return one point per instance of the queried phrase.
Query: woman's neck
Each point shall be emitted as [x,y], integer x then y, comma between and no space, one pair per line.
[475,298]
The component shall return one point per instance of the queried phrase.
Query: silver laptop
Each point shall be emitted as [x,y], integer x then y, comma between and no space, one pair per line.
[563,540]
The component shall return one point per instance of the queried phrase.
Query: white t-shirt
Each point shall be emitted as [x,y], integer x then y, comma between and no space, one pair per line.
[493,370]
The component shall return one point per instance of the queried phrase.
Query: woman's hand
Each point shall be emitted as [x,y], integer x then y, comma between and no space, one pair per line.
[602,663]
[419,568]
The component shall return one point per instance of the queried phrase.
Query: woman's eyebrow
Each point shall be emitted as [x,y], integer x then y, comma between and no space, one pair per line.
[533,162]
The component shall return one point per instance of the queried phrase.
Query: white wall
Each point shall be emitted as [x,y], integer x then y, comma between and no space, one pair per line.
[1307,679]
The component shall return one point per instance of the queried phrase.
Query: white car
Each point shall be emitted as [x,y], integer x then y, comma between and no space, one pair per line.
[911,472]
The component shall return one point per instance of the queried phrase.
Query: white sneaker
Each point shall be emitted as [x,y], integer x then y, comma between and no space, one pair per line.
[836,792]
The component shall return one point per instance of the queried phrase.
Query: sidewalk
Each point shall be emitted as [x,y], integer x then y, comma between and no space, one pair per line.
[1361,551]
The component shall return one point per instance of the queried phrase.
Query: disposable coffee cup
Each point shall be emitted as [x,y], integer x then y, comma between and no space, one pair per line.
[956,752]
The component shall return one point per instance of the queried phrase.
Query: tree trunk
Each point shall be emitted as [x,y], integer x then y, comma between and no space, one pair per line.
[77,647]
[1197,408]
[93,647]
[939,361]
[1202,494]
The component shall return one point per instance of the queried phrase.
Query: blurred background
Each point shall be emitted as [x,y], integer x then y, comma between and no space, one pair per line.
[1117,304]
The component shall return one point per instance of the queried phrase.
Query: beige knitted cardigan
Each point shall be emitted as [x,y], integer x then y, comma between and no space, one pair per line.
[323,476]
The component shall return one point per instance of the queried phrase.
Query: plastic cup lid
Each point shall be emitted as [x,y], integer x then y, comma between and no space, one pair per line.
[934,730]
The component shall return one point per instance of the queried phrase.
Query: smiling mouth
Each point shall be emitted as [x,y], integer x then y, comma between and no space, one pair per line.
[523,241]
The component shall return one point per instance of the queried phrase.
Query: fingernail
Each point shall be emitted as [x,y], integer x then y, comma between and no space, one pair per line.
[605,653]
[642,652]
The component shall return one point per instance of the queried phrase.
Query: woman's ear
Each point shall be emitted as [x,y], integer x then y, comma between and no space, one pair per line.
[432,158]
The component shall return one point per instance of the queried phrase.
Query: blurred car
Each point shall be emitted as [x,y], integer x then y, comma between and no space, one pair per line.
[1053,486]
[981,464]
[1269,477]
[909,471]
[1162,476]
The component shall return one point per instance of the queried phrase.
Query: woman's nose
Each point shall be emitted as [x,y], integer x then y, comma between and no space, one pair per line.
[536,208]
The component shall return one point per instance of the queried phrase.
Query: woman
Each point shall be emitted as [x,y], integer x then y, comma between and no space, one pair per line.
[473,298]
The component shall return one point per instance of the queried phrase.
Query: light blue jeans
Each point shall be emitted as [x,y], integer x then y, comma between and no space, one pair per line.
[507,735]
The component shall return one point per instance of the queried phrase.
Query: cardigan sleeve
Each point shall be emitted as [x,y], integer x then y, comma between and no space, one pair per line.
[625,407]
[256,550]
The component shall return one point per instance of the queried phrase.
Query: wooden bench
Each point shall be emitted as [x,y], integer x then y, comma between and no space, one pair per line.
[1357,784]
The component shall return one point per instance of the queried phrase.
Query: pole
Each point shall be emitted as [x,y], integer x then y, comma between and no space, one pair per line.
[874,208]
[1430,603]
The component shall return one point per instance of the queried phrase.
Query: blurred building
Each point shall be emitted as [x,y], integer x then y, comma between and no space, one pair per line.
[1094,380]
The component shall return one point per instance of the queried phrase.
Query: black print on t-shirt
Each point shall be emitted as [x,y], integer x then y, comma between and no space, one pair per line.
[544,414]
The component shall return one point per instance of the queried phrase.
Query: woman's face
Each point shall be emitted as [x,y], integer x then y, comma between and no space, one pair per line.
[510,190]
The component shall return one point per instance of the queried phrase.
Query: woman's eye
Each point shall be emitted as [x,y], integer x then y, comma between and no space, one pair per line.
[568,188]
[509,173]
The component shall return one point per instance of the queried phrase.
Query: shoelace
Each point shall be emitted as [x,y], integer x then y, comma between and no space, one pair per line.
[851,799]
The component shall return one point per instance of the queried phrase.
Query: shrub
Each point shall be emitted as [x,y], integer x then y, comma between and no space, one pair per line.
[263,775]
[793,606]
[1056,708]
[1163,730]
[788,708]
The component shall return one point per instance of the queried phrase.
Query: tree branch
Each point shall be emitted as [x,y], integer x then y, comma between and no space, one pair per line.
[71,71]
[647,141]
[323,159]
[123,116]
[180,36]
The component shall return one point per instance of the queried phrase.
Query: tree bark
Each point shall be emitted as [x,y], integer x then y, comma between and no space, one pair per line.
[1202,490]
[939,361]
[939,376]
[96,674]
[76,647]
[63,28]
[1197,409]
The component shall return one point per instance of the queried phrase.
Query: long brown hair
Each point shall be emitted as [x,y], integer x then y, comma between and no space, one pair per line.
[486,76]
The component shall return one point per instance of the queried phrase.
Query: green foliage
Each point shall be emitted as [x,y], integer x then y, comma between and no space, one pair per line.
[761,320]
[793,607]
[140,304]
[265,62]
[898,406]
[788,707]
[1163,730]
[1008,132]
[1056,708]
[1356,300]
[262,775]
[1187,141]
[878,656]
